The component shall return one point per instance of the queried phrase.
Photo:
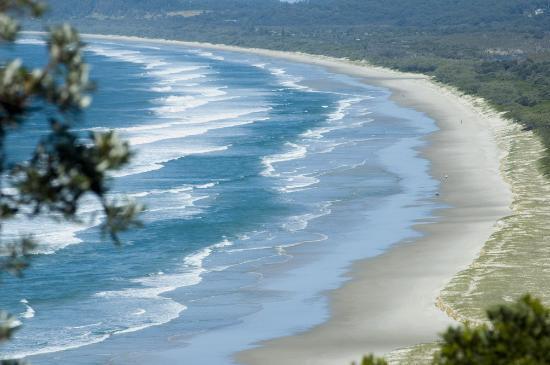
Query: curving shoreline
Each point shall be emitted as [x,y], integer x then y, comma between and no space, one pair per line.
[390,303]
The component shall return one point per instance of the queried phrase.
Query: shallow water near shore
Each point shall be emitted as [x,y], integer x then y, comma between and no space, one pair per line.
[263,181]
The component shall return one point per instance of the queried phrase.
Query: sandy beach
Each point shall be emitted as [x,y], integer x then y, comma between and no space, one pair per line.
[390,301]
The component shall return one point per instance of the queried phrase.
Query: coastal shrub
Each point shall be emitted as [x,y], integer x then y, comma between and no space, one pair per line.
[371,360]
[517,334]
[64,167]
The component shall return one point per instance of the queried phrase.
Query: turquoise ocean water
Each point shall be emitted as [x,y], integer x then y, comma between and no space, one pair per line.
[263,180]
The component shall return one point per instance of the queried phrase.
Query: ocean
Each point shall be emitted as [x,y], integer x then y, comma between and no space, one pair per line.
[263,181]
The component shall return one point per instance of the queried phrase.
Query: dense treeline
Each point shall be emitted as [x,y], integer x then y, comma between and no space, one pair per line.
[496,49]
[418,13]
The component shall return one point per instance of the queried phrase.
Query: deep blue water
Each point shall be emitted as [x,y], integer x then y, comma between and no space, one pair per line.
[263,181]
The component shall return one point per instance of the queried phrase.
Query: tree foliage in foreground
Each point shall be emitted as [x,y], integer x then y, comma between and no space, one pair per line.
[371,360]
[65,167]
[516,334]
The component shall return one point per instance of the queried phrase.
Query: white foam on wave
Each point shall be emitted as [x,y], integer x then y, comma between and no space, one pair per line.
[162,89]
[210,55]
[196,259]
[207,185]
[162,309]
[86,325]
[154,64]
[139,312]
[175,202]
[191,272]
[29,312]
[292,82]
[175,79]
[142,162]
[175,129]
[180,204]
[224,243]
[282,249]
[298,183]
[167,73]
[174,106]
[137,328]
[330,146]
[212,92]
[172,78]
[176,190]
[33,41]
[296,152]
[147,292]
[170,71]
[277,71]
[50,235]
[153,286]
[334,119]
[343,105]
[301,222]
[85,340]
[271,251]
[134,309]
[126,55]
[178,104]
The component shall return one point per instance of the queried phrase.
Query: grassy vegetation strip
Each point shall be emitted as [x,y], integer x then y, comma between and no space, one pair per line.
[417,355]
[514,260]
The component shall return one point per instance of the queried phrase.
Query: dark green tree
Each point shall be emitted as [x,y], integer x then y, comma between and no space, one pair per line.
[65,167]
[371,360]
[517,334]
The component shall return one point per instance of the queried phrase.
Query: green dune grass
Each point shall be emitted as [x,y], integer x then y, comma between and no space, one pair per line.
[514,260]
